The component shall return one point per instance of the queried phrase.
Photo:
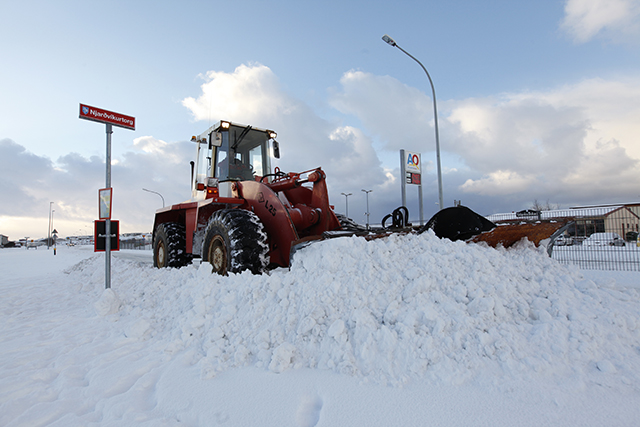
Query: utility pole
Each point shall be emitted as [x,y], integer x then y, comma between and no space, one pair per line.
[367,192]
[346,200]
[49,230]
[393,43]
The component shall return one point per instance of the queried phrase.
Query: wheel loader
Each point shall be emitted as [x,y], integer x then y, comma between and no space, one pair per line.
[244,216]
[241,215]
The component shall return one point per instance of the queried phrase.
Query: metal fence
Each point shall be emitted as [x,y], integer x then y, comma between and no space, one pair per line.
[135,243]
[603,238]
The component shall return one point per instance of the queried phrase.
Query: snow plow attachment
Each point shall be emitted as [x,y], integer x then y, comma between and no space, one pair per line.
[457,223]
[509,234]
[461,223]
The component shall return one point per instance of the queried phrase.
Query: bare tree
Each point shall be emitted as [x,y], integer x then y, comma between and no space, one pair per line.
[538,206]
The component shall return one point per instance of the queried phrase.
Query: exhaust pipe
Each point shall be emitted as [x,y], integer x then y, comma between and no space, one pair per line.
[193,164]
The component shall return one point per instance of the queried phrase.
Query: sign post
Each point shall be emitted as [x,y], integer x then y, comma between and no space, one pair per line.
[109,118]
[410,171]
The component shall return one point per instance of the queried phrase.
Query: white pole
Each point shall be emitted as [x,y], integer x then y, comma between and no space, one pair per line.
[420,201]
[403,178]
[367,192]
[107,228]
[346,200]
[392,42]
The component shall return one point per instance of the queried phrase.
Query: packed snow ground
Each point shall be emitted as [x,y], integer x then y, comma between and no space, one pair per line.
[404,331]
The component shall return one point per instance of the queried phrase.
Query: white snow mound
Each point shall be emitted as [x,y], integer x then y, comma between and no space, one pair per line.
[109,303]
[389,311]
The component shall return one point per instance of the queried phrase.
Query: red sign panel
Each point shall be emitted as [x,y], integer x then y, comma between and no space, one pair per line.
[99,115]
[414,178]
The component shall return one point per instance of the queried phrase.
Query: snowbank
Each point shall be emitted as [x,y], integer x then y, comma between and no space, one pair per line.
[393,310]
[398,331]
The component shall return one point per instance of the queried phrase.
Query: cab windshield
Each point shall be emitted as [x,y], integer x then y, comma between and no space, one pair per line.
[242,154]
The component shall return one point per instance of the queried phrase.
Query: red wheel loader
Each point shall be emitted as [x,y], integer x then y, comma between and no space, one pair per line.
[241,215]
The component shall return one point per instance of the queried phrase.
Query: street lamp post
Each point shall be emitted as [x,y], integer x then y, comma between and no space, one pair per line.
[346,201]
[392,42]
[54,233]
[155,192]
[367,192]
[49,231]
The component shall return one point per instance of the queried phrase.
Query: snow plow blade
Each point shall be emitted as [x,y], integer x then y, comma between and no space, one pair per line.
[461,223]
[509,234]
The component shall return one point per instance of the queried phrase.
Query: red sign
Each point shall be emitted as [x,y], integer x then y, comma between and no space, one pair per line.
[99,115]
[414,178]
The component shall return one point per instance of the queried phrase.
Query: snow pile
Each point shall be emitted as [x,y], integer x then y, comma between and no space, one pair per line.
[390,311]
[108,303]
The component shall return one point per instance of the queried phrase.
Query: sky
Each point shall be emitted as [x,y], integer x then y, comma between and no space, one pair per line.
[537,101]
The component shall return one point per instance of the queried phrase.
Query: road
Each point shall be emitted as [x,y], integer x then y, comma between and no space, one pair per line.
[143,257]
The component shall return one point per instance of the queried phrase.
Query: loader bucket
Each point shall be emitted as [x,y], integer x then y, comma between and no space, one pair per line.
[461,223]
[457,223]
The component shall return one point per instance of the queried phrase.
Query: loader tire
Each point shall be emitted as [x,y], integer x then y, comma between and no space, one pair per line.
[169,246]
[235,241]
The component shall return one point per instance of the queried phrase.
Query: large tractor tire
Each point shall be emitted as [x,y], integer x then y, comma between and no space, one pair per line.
[169,246]
[235,241]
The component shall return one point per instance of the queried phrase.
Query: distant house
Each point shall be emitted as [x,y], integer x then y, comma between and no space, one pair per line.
[3,240]
[620,219]
[623,220]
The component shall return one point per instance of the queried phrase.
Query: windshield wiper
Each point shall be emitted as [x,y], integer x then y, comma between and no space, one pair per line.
[239,139]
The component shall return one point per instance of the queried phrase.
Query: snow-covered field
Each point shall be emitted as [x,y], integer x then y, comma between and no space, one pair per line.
[402,331]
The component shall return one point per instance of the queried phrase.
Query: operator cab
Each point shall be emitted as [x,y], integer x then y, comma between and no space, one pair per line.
[228,152]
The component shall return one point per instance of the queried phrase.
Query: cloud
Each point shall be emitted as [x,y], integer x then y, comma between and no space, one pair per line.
[578,141]
[22,174]
[149,144]
[252,94]
[617,20]
[575,144]
[28,183]
[498,183]
[400,115]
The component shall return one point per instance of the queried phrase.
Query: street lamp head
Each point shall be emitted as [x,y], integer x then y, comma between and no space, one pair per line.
[389,40]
